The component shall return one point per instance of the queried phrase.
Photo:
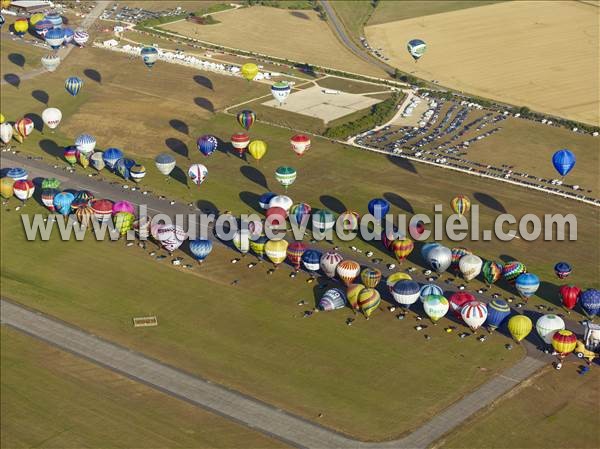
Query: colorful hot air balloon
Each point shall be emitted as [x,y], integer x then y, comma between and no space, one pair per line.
[80,37]
[123,206]
[6,187]
[300,144]
[332,299]
[83,159]
[17,173]
[170,237]
[402,248]
[590,301]
[430,289]
[347,271]
[55,19]
[51,117]
[23,189]
[457,253]
[165,163]
[6,132]
[280,91]
[323,220]
[50,62]
[564,342]
[102,209]
[512,270]
[123,222]
[55,38]
[519,327]
[295,250]
[137,172]
[241,241]
[569,295]
[378,208]
[149,56]
[563,161]
[257,149]
[492,271]
[562,270]
[258,246]
[428,247]
[348,220]
[200,249]
[73,85]
[527,284]
[368,301]
[63,201]
[265,199]
[276,251]
[370,277]
[85,144]
[34,18]
[69,33]
[20,26]
[547,325]
[498,311]
[439,258]
[249,71]
[24,126]
[474,314]
[470,266]
[435,306]
[311,260]
[85,215]
[239,142]
[299,212]
[329,263]
[246,119]
[197,173]
[416,48]
[460,205]
[70,155]
[97,160]
[275,217]
[42,27]
[123,167]
[141,227]
[352,293]
[207,144]
[395,277]
[82,198]
[406,292]
[285,176]
[458,300]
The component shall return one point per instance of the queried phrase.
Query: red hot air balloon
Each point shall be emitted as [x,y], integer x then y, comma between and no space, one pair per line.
[295,250]
[569,295]
[300,144]
[458,300]
[239,142]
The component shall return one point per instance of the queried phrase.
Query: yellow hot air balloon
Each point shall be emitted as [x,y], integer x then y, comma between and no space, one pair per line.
[460,204]
[257,149]
[6,187]
[2,119]
[249,71]
[20,26]
[352,294]
[564,342]
[368,301]
[276,251]
[35,18]
[519,327]
[395,277]
[4,4]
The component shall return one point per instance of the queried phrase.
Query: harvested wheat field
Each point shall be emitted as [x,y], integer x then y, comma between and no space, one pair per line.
[539,54]
[296,35]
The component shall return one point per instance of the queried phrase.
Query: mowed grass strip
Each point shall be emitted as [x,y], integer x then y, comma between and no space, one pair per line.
[67,401]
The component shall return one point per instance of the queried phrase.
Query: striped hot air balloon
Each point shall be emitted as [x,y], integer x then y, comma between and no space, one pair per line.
[299,212]
[347,271]
[276,251]
[47,197]
[460,204]
[258,246]
[246,119]
[435,306]
[519,327]
[102,209]
[474,314]
[285,176]
[498,311]
[406,292]
[430,289]
[239,142]
[457,253]
[562,270]
[82,198]
[80,37]
[332,299]
[323,220]
[123,222]
[111,156]
[311,260]
[24,126]
[23,189]
[547,325]
[70,155]
[352,293]
[197,173]
[83,159]
[295,250]
[395,277]
[370,277]
[123,167]
[73,85]
[85,144]
[349,220]
[564,342]
[402,248]
[368,301]
[200,249]
[50,62]
[491,271]
[17,174]
[458,300]
[137,172]
[329,262]
[512,270]
[170,237]
[85,216]
[527,284]
[300,144]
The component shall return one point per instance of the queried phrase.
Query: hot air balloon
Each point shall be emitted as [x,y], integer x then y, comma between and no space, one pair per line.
[402,248]
[35,18]
[379,208]
[512,270]
[564,342]
[458,300]
[6,187]
[370,277]
[295,251]
[416,48]
[249,71]
[42,27]
[332,299]
[70,155]
[84,216]
[246,119]
[460,205]
[200,249]
[389,236]
[347,271]
[241,241]
[239,142]
[299,211]
[439,258]
[563,161]
[300,144]
[80,37]
[51,117]
[63,201]
[50,62]
[23,189]
[141,227]
[280,91]
[123,167]
[197,173]
[149,56]
[590,301]
[85,144]
[562,270]
[352,293]
[169,236]
[492,271]
[416,228]
[276,251]
[311,260]
[265,199]
[527,284]
[17,173]
[258,246]
[6,132]
[207,144]
[24,126]
[102,209]
[83,159]
[55,19]
[20,26]
[395,277]
[329,263]
[348,220]
[165,163]
[257,149]
[435,306]
[569,295]
[519,327]
[323,220]
[2,118]
[97,160]
[430,289]
[2,21]
[285,176]
[457,253]
[275,217]
[69,33]
[368,301]
[547,325]
[470,266]
[82,198]
[474,314]
[73,85]
[406,292]
[55,38]
[283,201]
[123,222]
[498,311]
[428,247]
[123,206]
[137,172]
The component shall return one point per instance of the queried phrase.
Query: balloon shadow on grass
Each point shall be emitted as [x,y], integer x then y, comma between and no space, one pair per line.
[94,75]
[12,79]
[51,147]
[251,200]
[254,175]
[403,163]
[178,147]
[179,175]
[224,147]
[207,207]
[179,125]
[41,96]
[489,201]
[332,203]
[399,202]
[205,103]
[299,15]
[38,123]
[204,82]
[17,59]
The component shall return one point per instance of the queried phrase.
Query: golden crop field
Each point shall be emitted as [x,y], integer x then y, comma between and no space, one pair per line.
[295,35]
[543,55]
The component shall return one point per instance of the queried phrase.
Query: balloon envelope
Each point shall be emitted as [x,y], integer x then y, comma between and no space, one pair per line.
[547,325]
[519,327]
[332,299]
[474,314]
[563,161]
[416,48]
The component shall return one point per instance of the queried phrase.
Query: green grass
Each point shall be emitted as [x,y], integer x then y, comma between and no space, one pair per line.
[346,85]
[213,8]
[19,57]
[353,14]
[66,401]
[556,410]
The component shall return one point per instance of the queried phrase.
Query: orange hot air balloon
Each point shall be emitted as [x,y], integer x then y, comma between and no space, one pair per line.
[348,270]
[402,248]
[564,342]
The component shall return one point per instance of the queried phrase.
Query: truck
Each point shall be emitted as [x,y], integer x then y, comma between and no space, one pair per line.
[589,346]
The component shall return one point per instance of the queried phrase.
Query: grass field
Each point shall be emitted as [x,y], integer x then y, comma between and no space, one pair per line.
[555,410]
[17,58]
[535,54]
[69,402]
[298,35]
[351,86]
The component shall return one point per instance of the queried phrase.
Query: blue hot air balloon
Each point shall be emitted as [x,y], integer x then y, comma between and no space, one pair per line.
[111,156]
[55,19]
[378,207]
[311,260]
[498,310]
[265,199]
[149,56]
[416,48]
[527,284]
[68,35]
[333,299]
[2,21]
[200,249]
[590,301]
[73,85]
[17,174]
[563,269]
[123,167]
[63,201]
[55,38]
[430,289]
[207,145]
[563,161]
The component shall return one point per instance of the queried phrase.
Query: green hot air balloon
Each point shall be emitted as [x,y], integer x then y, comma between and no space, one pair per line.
[285,176]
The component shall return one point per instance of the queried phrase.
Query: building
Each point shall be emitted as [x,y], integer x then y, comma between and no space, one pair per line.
[31,6]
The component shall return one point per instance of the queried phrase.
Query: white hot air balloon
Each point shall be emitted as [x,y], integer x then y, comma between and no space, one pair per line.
[51,117]
[439,258]
[80,37]
[283,201]
[280,91]
[547,325]
[85,144]
[50,62]
[165,163]
[474,314]
[329,262]
[6,132]
[470,266]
